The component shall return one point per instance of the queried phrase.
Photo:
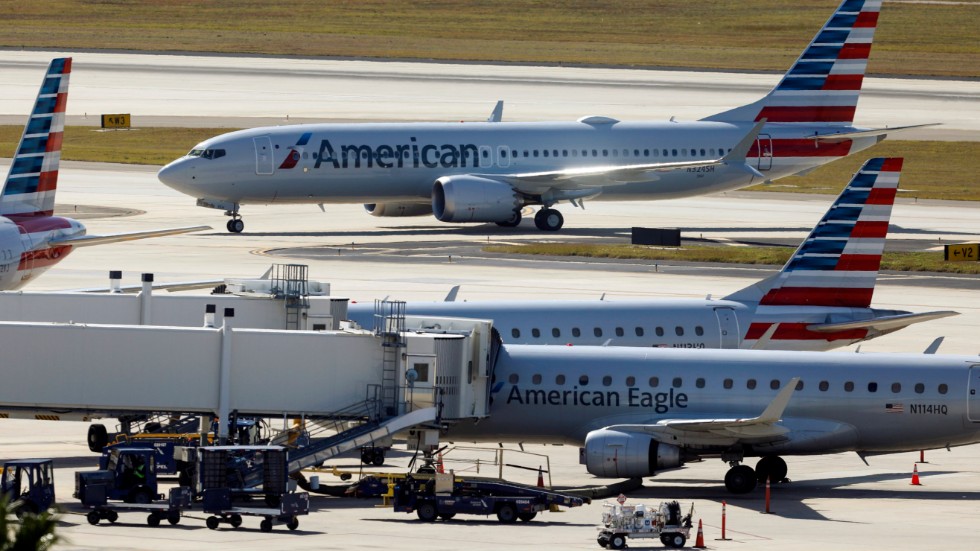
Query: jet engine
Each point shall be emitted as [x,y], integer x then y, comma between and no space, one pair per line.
[616,454]
[398,209]
[474,199]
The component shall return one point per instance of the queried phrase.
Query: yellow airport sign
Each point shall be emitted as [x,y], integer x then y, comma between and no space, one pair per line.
[120,120]
[962,252]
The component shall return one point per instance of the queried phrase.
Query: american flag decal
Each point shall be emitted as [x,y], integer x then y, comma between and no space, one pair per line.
[894,408]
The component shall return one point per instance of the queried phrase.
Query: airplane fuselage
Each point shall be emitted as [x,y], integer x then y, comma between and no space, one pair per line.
[875,403]
[24,250]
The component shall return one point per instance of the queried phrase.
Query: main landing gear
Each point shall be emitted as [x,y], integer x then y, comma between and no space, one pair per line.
[742,479]
[548,219]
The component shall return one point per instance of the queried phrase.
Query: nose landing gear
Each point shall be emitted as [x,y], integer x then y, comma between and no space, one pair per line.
[235,225]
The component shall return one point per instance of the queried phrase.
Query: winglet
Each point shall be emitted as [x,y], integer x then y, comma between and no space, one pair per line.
[934,347]
[763,341]
[741,149]
[776,408]
[498,112]
[451,296]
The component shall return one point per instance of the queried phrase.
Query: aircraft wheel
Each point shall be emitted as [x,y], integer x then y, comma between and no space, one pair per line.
[93,517]
[506,513]
[513,222]
[427,511]
[549,220]
[235,225]
[293,523]
[676,540]
[212,522]
[617,541]
[771,467]
[740,479]
[265,525]
[152,520]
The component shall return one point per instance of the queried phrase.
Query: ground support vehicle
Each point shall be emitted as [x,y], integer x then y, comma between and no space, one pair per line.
[445,495]
[129,476]
[29,484]
[287,509]
[94,496]
[620,521]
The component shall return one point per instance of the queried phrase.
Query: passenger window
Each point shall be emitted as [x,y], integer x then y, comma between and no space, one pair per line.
[943,389]
[728,384]
[750,384]
[679,330]
[631,381]
[615,152]
[536,379]
[660,331]
[620,332]
[535,152]
[605,152]
[607,380]
[799,385]
[872,387]
[646,152]
[576,332]
[514,377]
[516,333]
[699,331]
[559,379]
[677,382]
[896,387]
[595,153]
[824,385]
[673,152]
[639,331]
[699,383]
[654,382]
[664,152]
[848,386]
[535,333]
[774,384]
[555,332]
[597,331]
[920,388]
[554,152]
[545,152]
[702,153]
[583,380]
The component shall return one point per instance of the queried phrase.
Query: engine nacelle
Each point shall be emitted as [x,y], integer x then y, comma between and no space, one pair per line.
[615,454]
[388,210]
[474,199]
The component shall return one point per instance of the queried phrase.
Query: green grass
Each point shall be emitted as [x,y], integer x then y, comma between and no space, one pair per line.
[913,39]
[905,261]
[933,170]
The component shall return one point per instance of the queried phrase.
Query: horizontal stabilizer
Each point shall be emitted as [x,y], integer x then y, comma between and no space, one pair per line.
[88,240]
[882,324]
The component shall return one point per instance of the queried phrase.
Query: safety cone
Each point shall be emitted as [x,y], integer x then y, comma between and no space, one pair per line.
[699,542]
[540,478]
[439,467]
[915,476]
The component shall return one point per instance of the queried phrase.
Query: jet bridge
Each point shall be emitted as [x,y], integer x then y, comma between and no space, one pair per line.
[85,371]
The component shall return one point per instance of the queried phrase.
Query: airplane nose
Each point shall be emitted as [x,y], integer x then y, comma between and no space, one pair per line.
[174,175]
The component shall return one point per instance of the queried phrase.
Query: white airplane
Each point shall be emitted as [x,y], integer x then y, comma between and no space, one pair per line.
[488,172]
[639,412]
[32,239]
[820,300]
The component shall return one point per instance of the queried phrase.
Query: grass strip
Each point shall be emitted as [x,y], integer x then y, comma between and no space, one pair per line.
[776,256]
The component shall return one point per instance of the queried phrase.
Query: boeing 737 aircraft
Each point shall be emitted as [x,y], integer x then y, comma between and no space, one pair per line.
[820,300]
[488,172]
[639,412]
[31,238]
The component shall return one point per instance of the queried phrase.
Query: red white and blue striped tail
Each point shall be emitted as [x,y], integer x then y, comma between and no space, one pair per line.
[31,184]
[837,264]
[824,84]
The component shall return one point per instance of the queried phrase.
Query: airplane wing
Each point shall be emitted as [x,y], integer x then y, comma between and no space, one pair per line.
[88,240]
[839,137]
[597,177]
[884,323]
[722,432]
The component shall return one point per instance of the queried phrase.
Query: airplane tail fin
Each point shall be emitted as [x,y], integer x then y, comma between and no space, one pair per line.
[825,82]
[31,184]
[837,264]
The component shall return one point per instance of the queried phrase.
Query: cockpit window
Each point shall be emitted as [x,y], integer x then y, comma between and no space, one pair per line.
[207,153]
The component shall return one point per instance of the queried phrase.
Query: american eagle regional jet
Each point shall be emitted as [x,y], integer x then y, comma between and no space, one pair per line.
[488,172]
[32,239]
[820,300]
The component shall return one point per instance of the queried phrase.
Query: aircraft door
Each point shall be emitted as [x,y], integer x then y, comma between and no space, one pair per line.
[503,156]
[973,394]
[486,156]
[263,155]
[728,327]
[764,146]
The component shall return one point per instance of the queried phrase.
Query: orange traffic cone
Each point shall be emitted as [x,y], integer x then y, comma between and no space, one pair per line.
[439,467]
[699,542]
[540,478]
[915,476]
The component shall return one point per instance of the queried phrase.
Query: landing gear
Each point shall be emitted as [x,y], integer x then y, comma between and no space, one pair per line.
[548,219]
[740,479]
[771,467]
[513,222]
[235,225]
